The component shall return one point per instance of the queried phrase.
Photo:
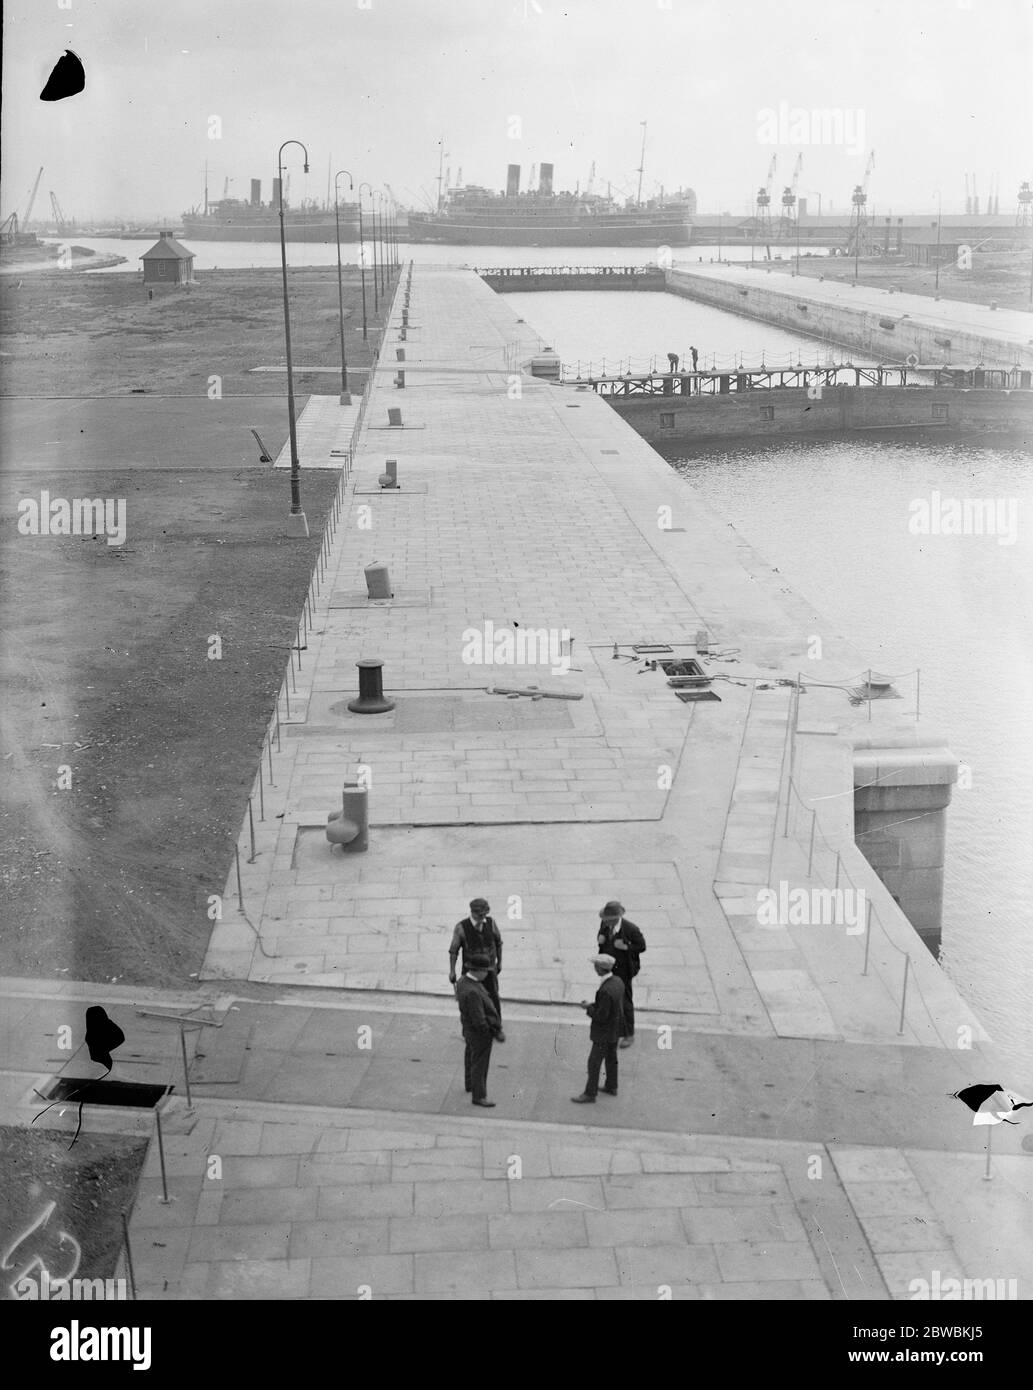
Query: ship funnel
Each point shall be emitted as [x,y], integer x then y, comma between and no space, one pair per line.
[256,192]
[277,183]
[545,179]
[512,180]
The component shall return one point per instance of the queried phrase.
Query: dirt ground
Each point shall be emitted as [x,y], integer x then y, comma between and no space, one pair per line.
[104,648]
[1004,278]
[99,335]
[90,1185]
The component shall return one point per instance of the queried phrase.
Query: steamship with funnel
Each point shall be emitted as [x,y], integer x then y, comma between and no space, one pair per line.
[474,216]
[234,219]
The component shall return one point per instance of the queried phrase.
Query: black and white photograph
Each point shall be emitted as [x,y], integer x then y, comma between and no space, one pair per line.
[516,652]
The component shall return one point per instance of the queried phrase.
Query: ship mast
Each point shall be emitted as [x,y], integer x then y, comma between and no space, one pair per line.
[441,166]
[641,163]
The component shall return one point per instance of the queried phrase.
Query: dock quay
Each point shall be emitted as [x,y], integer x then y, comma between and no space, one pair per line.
[785,1126]
[885,325]
[522,279]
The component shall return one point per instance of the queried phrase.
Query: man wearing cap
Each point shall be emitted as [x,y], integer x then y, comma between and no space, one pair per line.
[607,1014]
[480,1027]
[623,941]
[478,935]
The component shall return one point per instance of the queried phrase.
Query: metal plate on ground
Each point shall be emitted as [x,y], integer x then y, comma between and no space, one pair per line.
[403,489]
[357,598]
[468,714]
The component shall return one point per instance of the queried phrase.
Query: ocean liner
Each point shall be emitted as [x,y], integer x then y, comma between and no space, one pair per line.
[234,219]
[473,216]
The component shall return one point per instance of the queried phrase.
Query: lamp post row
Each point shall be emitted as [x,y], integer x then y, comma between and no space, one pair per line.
[386,235]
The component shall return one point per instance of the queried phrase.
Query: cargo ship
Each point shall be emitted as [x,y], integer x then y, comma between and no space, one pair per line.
[474,216]
[237,219]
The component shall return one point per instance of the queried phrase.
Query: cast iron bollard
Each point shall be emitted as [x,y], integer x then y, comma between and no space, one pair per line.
[389,478]
[349,827]
[371,699]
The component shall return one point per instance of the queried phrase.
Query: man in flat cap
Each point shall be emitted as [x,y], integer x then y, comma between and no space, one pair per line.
[480,1027]
[621,939]
[478,935]
[607,1014]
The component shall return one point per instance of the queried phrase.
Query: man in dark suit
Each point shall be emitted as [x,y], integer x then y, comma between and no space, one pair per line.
[606,1013]
[480,1027]
[621,939]
[478,935]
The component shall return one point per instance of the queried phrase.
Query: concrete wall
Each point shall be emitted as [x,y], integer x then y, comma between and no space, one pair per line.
[902,788]
[849,326]
[790,411]
[523,281]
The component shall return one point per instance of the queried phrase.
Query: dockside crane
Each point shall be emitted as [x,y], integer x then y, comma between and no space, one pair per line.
[1024,210]
[60,221]
[762,210]
[32,200]
[787,222]
[860,238]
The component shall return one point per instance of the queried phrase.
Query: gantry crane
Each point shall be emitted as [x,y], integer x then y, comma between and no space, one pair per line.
[762,216]
[1024,211]
[787,222]
[860,243]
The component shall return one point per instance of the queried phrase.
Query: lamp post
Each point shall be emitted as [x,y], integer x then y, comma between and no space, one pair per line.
[939,220]
[379,198]
[362,266]
[345,395]
[297,526]
[373,214]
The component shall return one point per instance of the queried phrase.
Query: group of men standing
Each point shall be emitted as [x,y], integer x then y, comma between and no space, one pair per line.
[619,945]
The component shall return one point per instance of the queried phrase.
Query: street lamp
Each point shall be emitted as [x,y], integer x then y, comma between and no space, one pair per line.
[373,214]
[939,220]
[345,396]
[297,526]
[362,266]
[375,197]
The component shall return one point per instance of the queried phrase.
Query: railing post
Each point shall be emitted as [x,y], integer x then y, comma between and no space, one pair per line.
[129,1257]
[251,825]
[240,887]
[261,791]
[903,993]
[837,870]
[810,848]
[165,1199]
[186,1069]
[867,936]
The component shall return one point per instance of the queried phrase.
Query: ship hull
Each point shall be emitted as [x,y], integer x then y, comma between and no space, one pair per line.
[322,231]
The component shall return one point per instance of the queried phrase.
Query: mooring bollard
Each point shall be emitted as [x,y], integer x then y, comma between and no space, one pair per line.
[400,380]
[394,417]
[389,477]
[349,827]
[371,698]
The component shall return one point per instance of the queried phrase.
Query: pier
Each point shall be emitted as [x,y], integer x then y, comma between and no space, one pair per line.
[533,507]
[521,279]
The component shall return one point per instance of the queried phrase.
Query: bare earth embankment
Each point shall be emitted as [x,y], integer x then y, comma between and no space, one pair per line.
[104,648]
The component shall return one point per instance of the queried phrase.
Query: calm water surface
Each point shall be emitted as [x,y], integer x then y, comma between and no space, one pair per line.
[833,517]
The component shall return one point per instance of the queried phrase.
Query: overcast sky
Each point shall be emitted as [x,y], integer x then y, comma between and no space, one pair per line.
[935,87]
